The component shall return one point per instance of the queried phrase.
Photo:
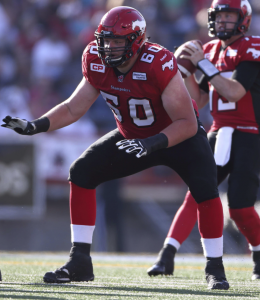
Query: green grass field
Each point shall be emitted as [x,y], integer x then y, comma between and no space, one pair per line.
[122,277]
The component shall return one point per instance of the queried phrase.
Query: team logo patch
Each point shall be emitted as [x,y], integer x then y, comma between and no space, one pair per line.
[255,53]
[120,78]
[231,52]
[97,68]
[139,76]
[168,64]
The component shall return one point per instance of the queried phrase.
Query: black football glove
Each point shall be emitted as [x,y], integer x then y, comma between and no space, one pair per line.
[144,146]
[20,126]
[132,146]
[25,127]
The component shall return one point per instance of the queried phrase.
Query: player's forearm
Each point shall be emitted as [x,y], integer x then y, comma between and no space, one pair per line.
[180,130]
[60,116]
[231,89]
[74,107]
[195,91]
[192,87]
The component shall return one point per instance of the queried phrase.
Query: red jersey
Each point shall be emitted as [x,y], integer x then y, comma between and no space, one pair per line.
[134,97]
[241,115]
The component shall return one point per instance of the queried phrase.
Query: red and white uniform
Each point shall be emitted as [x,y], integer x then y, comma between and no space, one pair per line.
[135,99]
[243,115]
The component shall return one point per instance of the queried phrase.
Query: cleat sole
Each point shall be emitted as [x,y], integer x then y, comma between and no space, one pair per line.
[218,285]
[48,279]
[159,269]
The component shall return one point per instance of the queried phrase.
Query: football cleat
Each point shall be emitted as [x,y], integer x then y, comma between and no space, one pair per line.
[165,262]
[256,260]
[215,274]
[78,268]
[215,283]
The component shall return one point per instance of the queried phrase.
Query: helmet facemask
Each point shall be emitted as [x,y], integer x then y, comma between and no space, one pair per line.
[106,53]
[227,33]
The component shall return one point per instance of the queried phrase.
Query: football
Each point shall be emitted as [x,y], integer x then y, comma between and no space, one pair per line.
[185,66]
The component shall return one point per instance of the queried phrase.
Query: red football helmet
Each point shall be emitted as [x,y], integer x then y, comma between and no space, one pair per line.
[242,7]
[121,22]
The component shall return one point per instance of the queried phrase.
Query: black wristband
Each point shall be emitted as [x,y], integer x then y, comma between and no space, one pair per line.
[41,125]
[207,68]
[155,142]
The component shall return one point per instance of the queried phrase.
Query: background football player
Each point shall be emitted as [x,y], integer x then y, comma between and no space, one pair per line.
[157,125]
[231,85]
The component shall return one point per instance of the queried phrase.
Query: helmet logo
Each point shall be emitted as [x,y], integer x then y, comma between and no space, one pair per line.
[141,24]
[247,5]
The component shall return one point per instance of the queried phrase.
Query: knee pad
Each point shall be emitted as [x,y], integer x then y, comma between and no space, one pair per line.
[83,174]
[204,189]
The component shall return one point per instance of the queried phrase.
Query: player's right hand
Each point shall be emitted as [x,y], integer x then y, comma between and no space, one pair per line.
[134,145]
[20,126]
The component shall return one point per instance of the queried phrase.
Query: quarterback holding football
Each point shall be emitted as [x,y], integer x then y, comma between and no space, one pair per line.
[231,85]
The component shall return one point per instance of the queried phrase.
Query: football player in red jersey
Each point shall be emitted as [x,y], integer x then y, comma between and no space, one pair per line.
[156,125]
[231,84]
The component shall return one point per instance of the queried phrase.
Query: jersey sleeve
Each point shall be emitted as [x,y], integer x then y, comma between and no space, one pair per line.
[246,73]
[89,54]
[84,64]
[164,69]
[249,49]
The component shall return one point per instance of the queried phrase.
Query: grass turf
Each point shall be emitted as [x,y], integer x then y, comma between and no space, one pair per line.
[121,278]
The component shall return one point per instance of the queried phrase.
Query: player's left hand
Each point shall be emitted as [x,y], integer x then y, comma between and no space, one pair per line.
[196,54]
[134,145]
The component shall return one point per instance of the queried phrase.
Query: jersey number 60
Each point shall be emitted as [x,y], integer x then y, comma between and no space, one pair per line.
[113,102]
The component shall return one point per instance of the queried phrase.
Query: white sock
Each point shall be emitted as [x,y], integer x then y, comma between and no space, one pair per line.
[254,248]
[212,247]
[81,233]
[172,242]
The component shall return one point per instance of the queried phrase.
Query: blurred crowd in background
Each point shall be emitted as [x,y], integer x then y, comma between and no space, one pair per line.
[41,44]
